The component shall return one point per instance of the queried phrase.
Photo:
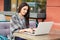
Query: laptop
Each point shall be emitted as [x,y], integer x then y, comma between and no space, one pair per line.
[43,28]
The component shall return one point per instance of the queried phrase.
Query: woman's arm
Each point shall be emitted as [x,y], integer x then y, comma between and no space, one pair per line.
[15,26]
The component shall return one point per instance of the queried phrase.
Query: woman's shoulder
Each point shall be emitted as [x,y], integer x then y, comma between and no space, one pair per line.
[15,15]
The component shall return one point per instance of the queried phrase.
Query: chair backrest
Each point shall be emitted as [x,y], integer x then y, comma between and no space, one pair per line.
[4,25]
[4,28]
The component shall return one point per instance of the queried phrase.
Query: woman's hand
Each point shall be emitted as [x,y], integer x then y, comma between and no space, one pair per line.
[34,29]
[30,30]
[22,30]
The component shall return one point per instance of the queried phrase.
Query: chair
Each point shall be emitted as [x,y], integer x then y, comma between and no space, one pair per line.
[4,28]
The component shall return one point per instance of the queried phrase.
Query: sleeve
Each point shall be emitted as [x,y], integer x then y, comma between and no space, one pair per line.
[15,26]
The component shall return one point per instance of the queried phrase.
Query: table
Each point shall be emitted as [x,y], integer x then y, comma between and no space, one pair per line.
[41,37]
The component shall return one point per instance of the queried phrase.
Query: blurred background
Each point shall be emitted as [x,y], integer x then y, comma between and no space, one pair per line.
[9,7]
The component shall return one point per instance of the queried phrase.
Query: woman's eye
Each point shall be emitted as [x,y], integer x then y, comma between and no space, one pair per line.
[24,9]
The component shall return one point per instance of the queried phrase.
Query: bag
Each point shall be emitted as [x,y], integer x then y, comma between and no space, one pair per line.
[3,38]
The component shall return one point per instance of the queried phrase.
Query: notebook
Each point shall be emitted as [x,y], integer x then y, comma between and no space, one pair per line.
[43,28]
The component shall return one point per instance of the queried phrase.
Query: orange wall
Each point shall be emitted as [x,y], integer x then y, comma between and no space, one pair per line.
[53,10]
[1,5]
[53,13]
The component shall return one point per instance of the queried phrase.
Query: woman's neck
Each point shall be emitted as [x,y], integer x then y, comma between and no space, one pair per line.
[21,16]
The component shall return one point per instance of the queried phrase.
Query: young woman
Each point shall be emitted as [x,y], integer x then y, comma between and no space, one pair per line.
[20,21]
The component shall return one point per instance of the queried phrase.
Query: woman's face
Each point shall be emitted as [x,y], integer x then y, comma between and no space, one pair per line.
[24,10]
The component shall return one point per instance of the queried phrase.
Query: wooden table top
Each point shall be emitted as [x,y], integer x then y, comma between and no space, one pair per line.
[41,37]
